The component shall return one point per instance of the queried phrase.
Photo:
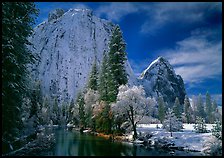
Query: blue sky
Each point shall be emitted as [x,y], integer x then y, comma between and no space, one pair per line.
[187,34]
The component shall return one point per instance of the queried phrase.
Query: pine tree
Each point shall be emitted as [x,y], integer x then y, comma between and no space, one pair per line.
[70,111]
[217,130]
[214,111]
[93,77]
[55,112]
[117,56]
[17,21]
[171,123]
[35,104]
[208,108]
[200,125]
[161,109]
[103,79]
[112,88]
[187,109]
[81,104]
[116,60]
[200,107]
[177,108]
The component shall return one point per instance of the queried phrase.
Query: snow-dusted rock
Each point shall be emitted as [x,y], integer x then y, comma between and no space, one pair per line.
[67,45]
[55,14]
[160,79]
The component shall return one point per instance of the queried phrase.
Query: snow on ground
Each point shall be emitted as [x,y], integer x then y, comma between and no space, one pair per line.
[188,139]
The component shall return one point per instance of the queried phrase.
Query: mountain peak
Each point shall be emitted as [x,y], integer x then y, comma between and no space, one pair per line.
[160,78]
[81,10]
[160,61]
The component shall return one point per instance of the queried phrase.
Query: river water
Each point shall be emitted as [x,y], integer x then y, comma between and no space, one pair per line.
[72,143]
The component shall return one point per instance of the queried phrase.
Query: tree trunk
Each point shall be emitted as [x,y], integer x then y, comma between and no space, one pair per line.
[135,131]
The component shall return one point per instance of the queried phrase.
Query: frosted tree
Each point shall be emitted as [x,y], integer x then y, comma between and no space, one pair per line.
[90,98]
[200,125]
[216,115]
[93,77]
[70,111]
[45,111]
[171,123]
[74,113]
[177,108]
[187,109]
[194,107]
[214,145]
[131,102]
[217,130]
[200,107]
[161,109]
[208,108]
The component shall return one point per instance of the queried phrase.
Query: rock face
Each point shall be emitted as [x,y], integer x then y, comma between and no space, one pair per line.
[160,79]
[67,45]
[55,14]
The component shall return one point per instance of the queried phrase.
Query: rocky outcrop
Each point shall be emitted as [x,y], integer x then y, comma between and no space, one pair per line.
[160,79]
[55,14]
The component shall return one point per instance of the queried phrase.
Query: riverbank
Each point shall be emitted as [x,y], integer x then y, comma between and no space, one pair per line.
[187,140]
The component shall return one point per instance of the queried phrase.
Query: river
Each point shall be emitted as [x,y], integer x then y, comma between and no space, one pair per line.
[72,143]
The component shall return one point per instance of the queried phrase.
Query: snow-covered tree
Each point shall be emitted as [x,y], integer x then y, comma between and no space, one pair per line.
[45,111]
[194,107]
[161,109]
[90,98]
[131,103]
[217,130]
[177,108]
[74,120]
[213,147]
[200,107]
[171,123]
[200,125]
[208,108]
[215,112]
[187,110]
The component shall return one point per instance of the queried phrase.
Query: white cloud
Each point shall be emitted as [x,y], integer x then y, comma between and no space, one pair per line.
[115,11]
[158,15]
[196,58]
[80,6]
[161,14]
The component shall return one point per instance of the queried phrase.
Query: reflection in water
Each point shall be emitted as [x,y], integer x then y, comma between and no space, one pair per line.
[70,143]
